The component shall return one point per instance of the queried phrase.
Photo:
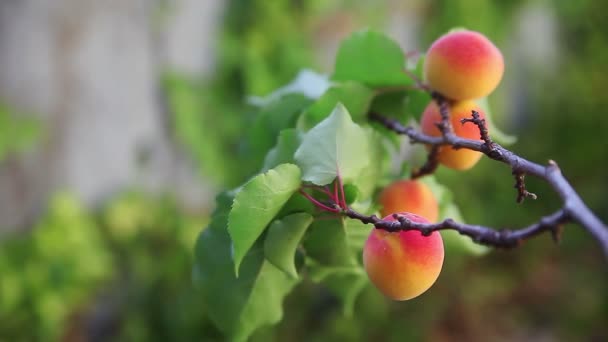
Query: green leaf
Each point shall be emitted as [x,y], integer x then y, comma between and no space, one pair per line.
[392,104]
[416,102]
[368,178]
[319,273]
[283,238]
[308,83]
[237,306]
[278,115]
[371,58]
[256,204]
[327,243]
[347,288]
[495,133]
[296,204]
[353,95]
[336,146]
[333,249]
[287,144]
[357,234]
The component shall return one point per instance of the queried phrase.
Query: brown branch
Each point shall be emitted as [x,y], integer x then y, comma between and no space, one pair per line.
[445,125]
[432,162]
[481,124]
[520,185]
[573,206]
[483,235]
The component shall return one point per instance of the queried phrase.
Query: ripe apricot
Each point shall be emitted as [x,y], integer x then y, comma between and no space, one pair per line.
[463,65]
[409,196]
[403,264]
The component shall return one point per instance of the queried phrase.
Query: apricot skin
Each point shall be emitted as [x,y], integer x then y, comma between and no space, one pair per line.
[458,159]
[463,65]
[403,264]
[409,196]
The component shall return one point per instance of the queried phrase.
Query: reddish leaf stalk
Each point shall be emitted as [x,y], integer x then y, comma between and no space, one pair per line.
[317,203]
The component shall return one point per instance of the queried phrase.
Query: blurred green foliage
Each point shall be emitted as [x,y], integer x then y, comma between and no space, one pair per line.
[126,271]
[51,272]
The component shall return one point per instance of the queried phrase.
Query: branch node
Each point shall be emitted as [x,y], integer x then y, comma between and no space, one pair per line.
[520,185]
[432,162]
[483,129]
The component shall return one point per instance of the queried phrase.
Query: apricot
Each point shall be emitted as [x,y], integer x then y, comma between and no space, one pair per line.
[463,65]
[409,196]
[403,264]
[458,159]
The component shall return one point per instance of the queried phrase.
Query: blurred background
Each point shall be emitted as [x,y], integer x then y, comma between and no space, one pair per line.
[121,119]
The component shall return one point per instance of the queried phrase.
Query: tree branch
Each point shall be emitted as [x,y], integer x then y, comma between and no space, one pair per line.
[573,209]
[483,235]
[432,162]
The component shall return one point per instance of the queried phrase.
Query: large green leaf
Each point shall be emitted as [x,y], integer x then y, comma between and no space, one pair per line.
[278,115]
[392,104]
[282,240]
[287,144]
[336,146]
[296,204]
[368,178]
[353,95]
[371,58]
[327,243]
[356,234]
[319,273]
[333,248]
[256,204]
[416,102]
[347,287]
[240,305]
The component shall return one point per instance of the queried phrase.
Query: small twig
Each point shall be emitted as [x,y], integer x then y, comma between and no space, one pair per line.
[419,84]
[483,129]
[432,162]
[445,125]
[520,185]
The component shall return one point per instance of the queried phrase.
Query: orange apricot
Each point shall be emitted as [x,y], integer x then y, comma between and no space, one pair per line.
[403,264]
[409,196]
[463,65]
